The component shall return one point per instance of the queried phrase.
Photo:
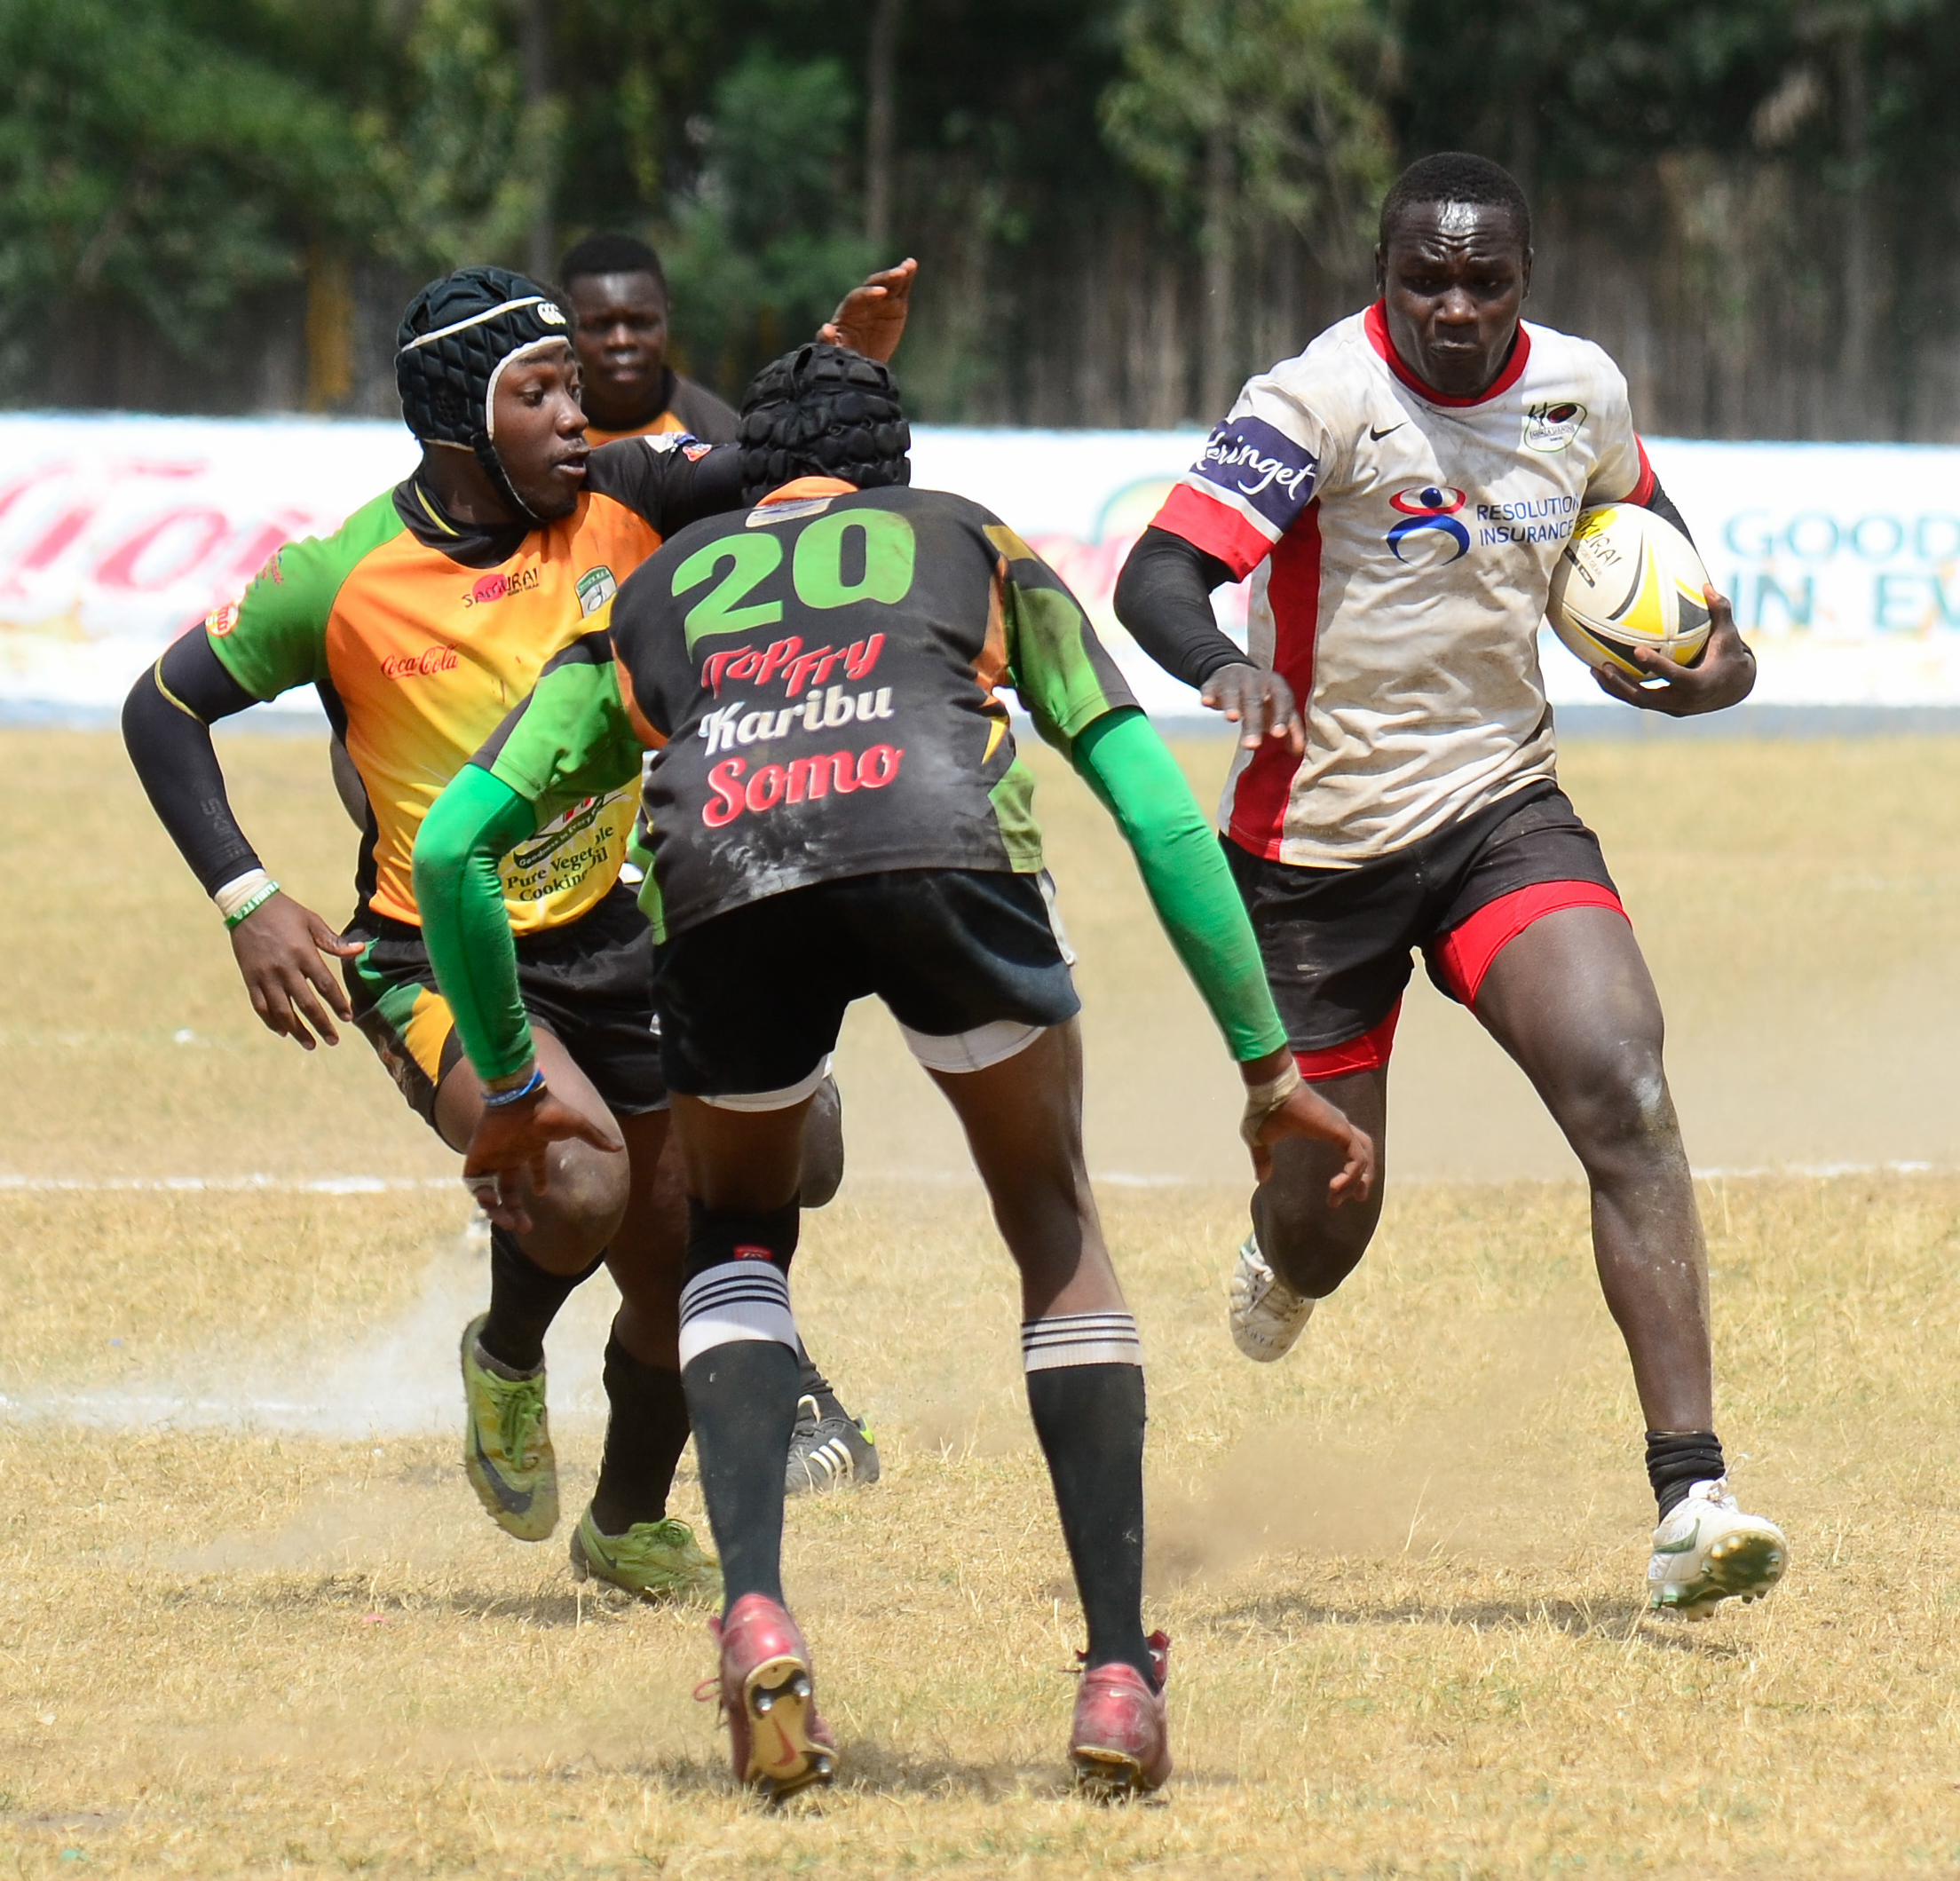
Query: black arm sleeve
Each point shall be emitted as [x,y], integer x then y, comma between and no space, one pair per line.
[1163,596]
[167,728]
[1663,505]
[669,489]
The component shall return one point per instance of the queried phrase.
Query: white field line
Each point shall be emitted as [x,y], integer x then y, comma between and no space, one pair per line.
[1111,1178]
[1823,1169]
[285,1184]
[401,1379]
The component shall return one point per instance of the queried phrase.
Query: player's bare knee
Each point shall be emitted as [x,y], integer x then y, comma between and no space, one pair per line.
[1626,1115]
[586,1198]
[823,1170]
[1310,1245]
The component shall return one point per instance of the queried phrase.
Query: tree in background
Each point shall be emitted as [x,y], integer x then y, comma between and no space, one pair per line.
[1249,115]
[163,164]
[1744,198]
[771,233]
[471,158]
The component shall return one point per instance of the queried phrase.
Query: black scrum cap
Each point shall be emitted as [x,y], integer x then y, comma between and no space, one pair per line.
[823,411]
[456,338]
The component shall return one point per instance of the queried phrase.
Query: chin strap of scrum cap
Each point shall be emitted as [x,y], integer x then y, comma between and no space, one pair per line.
[456,340]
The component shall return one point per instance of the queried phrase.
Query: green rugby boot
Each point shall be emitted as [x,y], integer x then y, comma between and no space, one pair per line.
[506,1448]
[659,1560]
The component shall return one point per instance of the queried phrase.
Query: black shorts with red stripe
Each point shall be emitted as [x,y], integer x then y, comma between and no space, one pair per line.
[1337,943]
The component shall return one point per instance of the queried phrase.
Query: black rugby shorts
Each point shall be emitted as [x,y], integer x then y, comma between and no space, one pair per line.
[1337,943]
[588,983]
[752,1000]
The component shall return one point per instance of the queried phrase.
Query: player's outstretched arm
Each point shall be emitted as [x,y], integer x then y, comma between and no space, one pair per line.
[1164,597]
[475,821]
[1124,761]
[278,944]
[871,319]
[572,738]
[1724,675]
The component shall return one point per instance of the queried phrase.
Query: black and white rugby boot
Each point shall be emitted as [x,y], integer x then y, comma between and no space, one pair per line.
[828,1449]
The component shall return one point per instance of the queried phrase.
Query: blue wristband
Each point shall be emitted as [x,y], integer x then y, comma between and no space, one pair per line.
[530,1087]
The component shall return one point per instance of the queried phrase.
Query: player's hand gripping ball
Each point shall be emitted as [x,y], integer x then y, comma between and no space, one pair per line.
[1629,578]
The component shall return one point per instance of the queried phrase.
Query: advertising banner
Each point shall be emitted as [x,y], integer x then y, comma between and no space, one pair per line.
[116,533]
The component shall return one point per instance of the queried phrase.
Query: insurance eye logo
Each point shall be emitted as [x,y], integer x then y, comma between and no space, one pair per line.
[1424,507]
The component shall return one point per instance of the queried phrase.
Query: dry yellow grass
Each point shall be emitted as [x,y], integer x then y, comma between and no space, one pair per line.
[1400,1570]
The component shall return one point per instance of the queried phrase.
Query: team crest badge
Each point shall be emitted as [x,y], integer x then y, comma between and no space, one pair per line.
[1550,428]
[595,588]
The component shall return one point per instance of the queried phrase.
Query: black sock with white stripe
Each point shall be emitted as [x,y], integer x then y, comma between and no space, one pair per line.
[739,1369]
[742,1398]
[1086,1394]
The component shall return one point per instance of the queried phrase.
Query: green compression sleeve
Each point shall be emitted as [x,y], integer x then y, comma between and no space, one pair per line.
[469,829]
[1127,765]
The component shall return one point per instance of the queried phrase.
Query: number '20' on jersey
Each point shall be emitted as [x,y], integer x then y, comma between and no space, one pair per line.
[820,677]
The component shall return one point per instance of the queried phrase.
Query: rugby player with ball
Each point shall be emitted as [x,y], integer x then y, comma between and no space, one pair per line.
[1404,490]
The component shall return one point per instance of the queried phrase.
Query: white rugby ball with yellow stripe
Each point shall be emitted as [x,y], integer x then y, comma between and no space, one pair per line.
[1628,579]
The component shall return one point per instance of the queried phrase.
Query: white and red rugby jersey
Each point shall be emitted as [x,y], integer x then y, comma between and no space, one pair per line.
[1404,543]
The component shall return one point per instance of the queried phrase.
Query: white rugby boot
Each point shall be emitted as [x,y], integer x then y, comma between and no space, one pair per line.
[1708,1551]
[1267,1315]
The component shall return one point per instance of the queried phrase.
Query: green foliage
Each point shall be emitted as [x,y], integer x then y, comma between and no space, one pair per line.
[145,161]
[469,163]
[1286,92]
[765,246]
[160,160]
[1559,89]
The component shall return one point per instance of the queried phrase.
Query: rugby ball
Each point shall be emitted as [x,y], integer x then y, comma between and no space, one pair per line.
[1628,579]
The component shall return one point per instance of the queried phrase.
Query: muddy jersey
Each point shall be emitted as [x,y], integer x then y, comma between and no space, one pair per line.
[820,677]
[1405,542]
[421,635]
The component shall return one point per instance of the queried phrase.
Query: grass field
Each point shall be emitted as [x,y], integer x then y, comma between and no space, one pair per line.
[252,1621]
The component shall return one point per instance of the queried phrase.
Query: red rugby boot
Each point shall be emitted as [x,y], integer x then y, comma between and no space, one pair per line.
[1119,1740]
[779,1743]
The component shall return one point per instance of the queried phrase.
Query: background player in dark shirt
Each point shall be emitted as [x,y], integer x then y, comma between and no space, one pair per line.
[617,293]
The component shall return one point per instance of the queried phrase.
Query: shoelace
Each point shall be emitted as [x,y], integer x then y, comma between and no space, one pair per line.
[665,1533]
[520,1409]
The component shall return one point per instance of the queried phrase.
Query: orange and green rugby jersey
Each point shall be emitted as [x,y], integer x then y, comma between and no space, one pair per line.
[420,634]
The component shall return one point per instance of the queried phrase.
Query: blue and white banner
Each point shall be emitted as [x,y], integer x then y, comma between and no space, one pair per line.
[116,533]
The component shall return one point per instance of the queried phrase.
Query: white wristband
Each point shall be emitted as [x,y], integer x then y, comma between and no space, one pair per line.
[235,895]
[1261,1100]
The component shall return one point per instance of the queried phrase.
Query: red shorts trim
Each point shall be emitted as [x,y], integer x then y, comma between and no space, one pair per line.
[1368,1053]
[1465,953]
